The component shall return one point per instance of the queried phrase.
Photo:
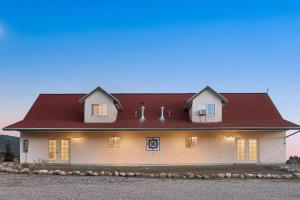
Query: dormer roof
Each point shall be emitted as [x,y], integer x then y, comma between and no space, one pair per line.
[207,88]
[114,99]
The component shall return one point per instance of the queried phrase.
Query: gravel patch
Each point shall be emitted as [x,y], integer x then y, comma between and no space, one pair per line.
[17,186]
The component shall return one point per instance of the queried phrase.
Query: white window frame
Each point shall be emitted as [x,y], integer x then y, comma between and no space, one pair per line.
[102,110]
[113,142]
[59,154]
[191,141]
[56,150]
[247,150]
[214,110]
[64,153]
[237,150]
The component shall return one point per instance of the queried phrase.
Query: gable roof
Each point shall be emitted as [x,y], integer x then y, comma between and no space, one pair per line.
[115,100]
[216,94]
[245,111]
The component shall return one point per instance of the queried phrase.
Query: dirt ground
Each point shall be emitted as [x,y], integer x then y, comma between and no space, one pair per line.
[172,169]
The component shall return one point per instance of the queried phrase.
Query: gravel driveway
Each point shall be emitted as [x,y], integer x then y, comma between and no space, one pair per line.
[13,186]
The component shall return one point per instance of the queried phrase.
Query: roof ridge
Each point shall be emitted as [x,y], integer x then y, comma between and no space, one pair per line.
[62,93]
[149,93]
[137,93]
[243,93]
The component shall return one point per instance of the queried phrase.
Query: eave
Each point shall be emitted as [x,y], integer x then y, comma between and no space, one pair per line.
[158,129]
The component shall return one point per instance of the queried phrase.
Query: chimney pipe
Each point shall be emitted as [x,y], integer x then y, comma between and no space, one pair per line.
[162,117]
[142,113]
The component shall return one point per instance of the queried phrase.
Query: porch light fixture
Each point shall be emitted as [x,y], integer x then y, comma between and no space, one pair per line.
[229,138]
[76,138]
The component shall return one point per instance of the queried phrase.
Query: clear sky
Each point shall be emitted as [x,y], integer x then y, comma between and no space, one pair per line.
[149,46]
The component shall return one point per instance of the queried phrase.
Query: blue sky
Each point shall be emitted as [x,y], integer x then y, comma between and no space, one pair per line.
[149,46]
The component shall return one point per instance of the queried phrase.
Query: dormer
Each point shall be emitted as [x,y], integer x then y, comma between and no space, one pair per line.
[100,107]
[206,106]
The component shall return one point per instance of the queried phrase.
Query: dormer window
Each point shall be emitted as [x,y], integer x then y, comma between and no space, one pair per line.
[205,106]
[99,110]
[211,110]
[207,109]
[100,107]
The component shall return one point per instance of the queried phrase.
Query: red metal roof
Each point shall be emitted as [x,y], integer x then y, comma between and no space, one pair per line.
[243,111]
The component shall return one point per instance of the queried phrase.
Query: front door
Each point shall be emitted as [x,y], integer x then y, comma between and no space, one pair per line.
[247,150]
[59,150]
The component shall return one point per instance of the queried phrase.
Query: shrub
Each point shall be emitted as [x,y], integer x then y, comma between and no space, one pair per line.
[9,156]
[293,160]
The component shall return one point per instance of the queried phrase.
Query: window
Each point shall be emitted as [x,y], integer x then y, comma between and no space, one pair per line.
[246,149]
[191,141]
[52,147]
[64,150]
[153,144]
[253,149]
[114,142]
[241,149]
[211,111]
[99,109]
[25,146]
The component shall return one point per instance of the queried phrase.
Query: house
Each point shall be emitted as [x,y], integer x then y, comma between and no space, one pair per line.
[100,128]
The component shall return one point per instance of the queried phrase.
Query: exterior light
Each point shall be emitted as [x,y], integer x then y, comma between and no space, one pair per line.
[76,138]
[229,138]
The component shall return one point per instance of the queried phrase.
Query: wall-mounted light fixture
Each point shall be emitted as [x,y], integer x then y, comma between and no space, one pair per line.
[229,138]
[76,138]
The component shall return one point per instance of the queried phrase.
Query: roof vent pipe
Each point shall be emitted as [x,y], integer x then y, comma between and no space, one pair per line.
[162,117]
[142,113]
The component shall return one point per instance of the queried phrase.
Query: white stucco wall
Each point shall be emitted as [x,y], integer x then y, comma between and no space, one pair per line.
[206,97]
[274,142]
[212,148]
[99,98]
